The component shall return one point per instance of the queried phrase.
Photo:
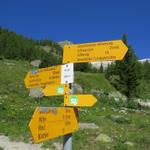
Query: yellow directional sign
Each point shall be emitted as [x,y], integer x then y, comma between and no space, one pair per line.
[48,123]
[50,76]
[97,51]
[55,90]
[85,100]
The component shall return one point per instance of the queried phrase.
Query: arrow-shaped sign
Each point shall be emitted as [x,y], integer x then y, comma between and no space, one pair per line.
[56,90]
[97,51]
[61,74]
[85,100]
[48,123]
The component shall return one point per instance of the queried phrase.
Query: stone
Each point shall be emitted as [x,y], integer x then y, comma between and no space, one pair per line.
[58,146]
[122,111]
[117,96]
[88,126]
[144,104]
[78,89]
[46,48]
[36,93]
[129,143]
[103,138]
[95,92]
[35,63]
[6,144]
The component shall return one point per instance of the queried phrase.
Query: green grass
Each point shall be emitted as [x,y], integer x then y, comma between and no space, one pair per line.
[16,109]
[95,81]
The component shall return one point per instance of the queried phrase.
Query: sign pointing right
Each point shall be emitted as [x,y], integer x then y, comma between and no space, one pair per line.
[97,51]
[83,100]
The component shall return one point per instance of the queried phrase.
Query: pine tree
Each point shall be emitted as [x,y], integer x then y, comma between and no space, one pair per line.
[101,69]
[123,73]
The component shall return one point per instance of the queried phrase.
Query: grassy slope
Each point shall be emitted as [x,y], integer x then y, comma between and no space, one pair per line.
[90,81]
[16,109]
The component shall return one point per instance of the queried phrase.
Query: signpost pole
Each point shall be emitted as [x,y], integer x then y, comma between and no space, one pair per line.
[68,137]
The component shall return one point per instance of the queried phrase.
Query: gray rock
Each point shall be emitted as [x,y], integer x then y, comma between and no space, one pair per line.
[122,111]
[35,63]
[7,144]
[47,49]
[58,146]
[103,138]
[78,89]
[36,93]
[88,126]
[96,92]
[63,43]
[144,104]
[129,143]
[117,96]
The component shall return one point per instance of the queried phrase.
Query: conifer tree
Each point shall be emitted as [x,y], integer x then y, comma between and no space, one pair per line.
[101,69]
[123,73]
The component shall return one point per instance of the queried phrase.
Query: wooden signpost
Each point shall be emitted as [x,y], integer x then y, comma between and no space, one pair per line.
[97,51]
[50,122]
[50,76]
[85,100]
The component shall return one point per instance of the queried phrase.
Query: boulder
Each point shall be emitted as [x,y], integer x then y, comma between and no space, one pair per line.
[103,138]
[36,93]
[78,89]
[117,96]
[88,126]
[35,63]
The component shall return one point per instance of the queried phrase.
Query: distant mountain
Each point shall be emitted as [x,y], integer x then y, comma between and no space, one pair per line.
[106,63]
[98,64]
[145,59]
[63,43]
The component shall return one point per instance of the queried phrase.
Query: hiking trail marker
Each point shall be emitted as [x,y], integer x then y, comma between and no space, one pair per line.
[56,90]
[83,100]
[50,122]
[61,74]
[97,51]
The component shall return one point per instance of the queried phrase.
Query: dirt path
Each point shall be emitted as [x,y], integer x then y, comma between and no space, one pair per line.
[6,144]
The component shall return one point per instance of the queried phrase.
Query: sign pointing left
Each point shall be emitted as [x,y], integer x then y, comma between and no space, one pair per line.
[50,122]
[61,74]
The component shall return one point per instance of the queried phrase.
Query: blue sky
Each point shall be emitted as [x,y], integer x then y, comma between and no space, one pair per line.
[80,21]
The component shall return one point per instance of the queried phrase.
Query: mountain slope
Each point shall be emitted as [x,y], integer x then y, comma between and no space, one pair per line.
[122,126]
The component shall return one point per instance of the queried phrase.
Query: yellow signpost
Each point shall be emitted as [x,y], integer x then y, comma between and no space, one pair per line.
[49,76]
[56,90]
[97,51]
[85,100]
[48,123]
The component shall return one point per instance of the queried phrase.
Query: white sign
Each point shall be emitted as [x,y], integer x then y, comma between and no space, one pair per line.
[67,73]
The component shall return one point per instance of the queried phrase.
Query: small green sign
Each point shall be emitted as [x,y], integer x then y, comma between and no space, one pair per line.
[60,90]
[73,100]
